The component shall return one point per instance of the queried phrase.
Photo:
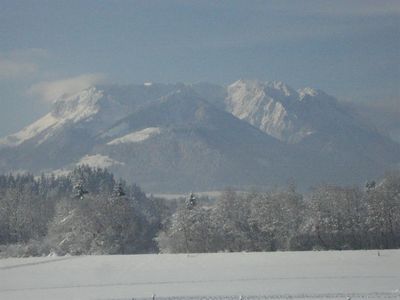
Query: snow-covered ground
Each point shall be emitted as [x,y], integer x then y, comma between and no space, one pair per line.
[279,275]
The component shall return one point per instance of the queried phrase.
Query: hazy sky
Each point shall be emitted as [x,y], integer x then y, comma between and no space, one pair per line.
[350,49]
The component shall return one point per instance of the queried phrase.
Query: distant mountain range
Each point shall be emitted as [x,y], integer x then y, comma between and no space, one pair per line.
[179,138]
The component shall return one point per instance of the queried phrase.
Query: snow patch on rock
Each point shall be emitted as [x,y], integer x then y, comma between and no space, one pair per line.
[137,136]
[307,92]
[98,161]
[59,172]
[43,124]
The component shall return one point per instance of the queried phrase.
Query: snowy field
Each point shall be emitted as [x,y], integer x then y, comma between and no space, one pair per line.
[279,275]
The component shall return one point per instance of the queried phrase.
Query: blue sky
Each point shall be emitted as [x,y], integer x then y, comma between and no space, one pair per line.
[350,49]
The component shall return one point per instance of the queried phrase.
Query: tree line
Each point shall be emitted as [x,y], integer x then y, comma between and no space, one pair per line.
[89,212]
[86,212]
[330,217]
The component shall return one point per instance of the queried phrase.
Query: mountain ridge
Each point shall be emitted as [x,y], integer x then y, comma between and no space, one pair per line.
[177,137]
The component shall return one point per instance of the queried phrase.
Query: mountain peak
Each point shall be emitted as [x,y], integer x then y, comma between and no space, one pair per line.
[279,110]
[271,86]
[78,106]
[280,86]
[315,95]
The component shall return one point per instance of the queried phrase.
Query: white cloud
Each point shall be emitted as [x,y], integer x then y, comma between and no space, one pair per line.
[29,54]
[20,63]
[52,90]
[12,69]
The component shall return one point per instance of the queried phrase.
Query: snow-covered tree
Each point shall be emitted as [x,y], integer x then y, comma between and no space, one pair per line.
[276,218]
[384,212]
[230,220]
[189,229]
[338,217]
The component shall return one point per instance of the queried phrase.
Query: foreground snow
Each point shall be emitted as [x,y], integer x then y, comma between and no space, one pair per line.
[279,275]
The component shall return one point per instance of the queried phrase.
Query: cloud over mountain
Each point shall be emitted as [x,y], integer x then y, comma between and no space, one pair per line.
[12,69]
[51,90]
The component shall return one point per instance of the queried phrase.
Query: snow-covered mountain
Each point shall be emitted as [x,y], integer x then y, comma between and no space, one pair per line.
[95,109]
[178,137]
[315,122]
[280,111]
[90,107]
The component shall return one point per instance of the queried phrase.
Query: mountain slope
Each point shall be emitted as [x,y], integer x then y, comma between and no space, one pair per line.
[177,138]
[192,145]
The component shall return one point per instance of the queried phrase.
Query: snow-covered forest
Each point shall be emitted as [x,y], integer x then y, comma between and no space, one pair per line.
[89,212]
